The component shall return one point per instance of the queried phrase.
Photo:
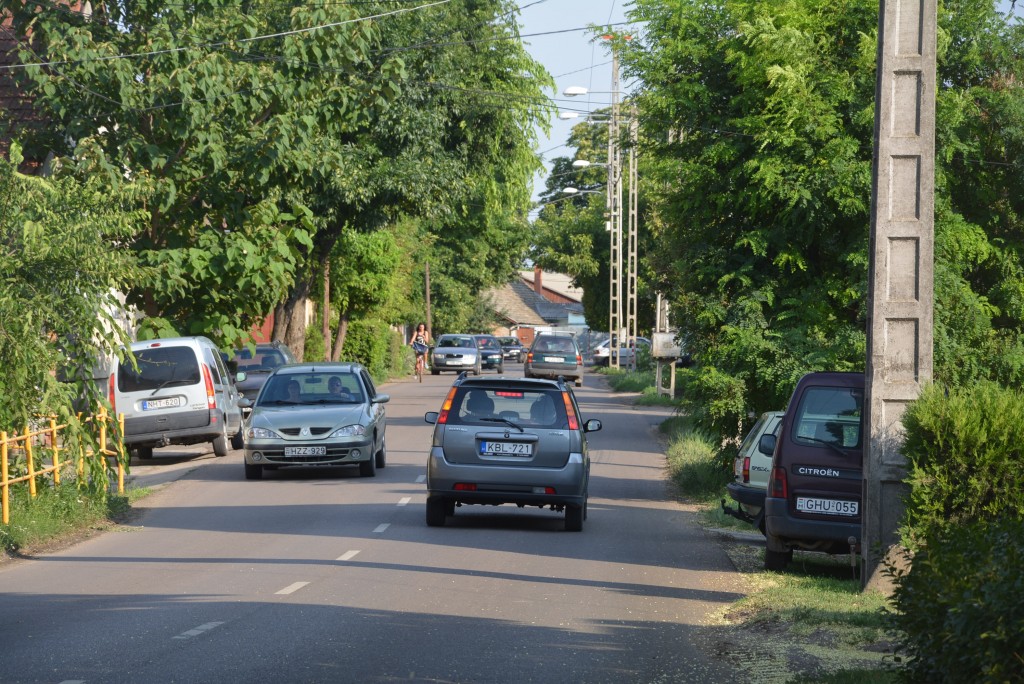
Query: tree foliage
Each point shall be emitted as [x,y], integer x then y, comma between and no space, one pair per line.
[61,268]
[759,124]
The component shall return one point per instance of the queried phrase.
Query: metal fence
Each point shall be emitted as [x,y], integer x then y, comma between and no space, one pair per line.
[44,450]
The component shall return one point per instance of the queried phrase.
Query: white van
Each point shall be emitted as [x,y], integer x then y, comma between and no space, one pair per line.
[178,392]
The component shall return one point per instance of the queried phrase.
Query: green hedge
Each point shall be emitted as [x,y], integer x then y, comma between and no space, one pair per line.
[965,455]
[960,608]
[375,345]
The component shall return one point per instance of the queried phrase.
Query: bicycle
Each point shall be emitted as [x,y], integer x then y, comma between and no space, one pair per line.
[421,361]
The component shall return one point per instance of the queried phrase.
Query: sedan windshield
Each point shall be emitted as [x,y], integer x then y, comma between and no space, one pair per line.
[291,389]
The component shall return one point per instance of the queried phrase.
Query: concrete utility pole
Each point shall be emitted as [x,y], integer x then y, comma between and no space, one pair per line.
[615,221]
[900,296]
[631,242]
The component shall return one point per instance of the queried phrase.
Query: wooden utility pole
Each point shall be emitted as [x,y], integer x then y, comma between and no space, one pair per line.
[900,295]
[426,287]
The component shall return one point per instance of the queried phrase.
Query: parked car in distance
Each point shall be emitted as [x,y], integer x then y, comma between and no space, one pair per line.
[178,391]
[751,469]
[490,353]
[456,353]
[512,349]
[317,414]
[813,501]
[554,354]
[509,440]
[258,362]
[602,352]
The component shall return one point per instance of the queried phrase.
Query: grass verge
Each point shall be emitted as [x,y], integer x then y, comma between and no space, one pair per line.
[810,624]
[59,514]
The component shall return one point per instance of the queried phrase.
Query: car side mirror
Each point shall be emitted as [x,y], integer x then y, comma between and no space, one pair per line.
[240,376]
[592,425]
[245,403]
[766,445]
[431,417]
[381,399]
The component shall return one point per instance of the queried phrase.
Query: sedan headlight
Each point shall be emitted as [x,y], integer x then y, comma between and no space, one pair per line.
[349,431]
[262,433]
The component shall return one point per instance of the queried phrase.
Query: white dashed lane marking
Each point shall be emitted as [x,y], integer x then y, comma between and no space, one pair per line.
[348,555]
[201,629]
[404,500]
[421,478]
[380,528]
[292,588]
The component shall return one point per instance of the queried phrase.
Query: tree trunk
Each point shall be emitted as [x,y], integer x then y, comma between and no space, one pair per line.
[327,310]
[290,319]
[339,341]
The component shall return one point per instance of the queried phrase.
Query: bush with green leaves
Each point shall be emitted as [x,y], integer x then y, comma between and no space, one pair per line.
[372,343]
[964,453]
[959,610]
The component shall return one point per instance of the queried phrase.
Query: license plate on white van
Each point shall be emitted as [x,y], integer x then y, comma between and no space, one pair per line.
[153,404]
[826,506]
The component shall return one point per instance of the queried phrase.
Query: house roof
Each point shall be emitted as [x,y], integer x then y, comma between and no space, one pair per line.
[558,283]
[519,304]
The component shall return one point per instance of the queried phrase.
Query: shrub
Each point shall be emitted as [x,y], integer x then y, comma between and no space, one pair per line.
[368,343]
[964,455]
[960,608]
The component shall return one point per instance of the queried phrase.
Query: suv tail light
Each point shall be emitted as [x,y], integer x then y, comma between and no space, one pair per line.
[579,360]
[211,398]
[746,469]
[446,407]
[529,357]
[777,487]
[573,423]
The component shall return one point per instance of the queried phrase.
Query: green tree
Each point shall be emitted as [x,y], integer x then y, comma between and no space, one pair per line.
[759,123]
[62,263]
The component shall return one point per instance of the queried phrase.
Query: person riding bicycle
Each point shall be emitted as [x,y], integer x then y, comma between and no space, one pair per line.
[420,343]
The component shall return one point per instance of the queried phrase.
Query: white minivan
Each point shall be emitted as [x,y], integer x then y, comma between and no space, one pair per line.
[178,391]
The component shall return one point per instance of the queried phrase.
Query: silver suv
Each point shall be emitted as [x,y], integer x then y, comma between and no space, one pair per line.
[509,440]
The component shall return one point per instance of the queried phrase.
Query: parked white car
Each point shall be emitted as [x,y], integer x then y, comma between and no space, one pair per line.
[602,352]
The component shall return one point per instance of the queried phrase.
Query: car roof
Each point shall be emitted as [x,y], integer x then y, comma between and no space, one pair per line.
[320,367]
[484,335]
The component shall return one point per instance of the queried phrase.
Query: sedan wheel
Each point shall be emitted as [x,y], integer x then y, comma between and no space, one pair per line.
[368,468]
[382,455]
[238,441]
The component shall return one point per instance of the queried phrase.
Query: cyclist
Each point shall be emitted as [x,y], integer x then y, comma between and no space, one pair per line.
[420,343]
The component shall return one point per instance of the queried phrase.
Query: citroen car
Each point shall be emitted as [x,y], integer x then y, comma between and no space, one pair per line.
[509,441]
[316,414]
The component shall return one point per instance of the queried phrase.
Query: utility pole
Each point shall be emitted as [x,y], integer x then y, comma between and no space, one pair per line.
[631,243]
[426,288]
[901,280]
[615,220]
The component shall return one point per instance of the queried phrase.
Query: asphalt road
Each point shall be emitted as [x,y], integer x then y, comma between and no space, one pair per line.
[323,576]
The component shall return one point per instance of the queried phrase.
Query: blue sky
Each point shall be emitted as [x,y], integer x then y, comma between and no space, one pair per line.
[573,58]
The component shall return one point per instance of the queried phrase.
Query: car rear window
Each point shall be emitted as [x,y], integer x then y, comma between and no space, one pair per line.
[555,344]
[524,407]
[264,360]
[829,416]
[157,368]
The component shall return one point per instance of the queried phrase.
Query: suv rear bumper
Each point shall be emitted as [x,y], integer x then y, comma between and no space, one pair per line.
[781,523]
[507,484]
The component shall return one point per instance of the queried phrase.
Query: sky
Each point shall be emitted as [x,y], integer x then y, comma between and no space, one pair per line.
[572,58]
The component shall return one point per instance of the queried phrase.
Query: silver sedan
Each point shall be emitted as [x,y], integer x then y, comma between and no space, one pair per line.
[323,414]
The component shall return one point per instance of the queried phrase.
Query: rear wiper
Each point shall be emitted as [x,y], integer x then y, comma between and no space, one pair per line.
[502,420]
[828,444]
[170,382]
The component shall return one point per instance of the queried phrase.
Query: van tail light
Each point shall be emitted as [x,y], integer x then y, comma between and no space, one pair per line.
[777,487]
[110,392]
[211,398]
[573,423]
[446,407]
[746,469]
[579,359]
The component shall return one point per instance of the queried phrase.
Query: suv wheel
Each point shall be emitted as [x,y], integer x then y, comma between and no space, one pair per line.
[436,511]
[501,368]
[573,518]
[144,453]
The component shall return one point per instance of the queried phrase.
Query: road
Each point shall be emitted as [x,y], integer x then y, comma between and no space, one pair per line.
[323,576]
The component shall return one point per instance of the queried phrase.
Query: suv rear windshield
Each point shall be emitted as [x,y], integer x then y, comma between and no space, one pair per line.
[526,407]
[829,416]
[159,367]
[564,345]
